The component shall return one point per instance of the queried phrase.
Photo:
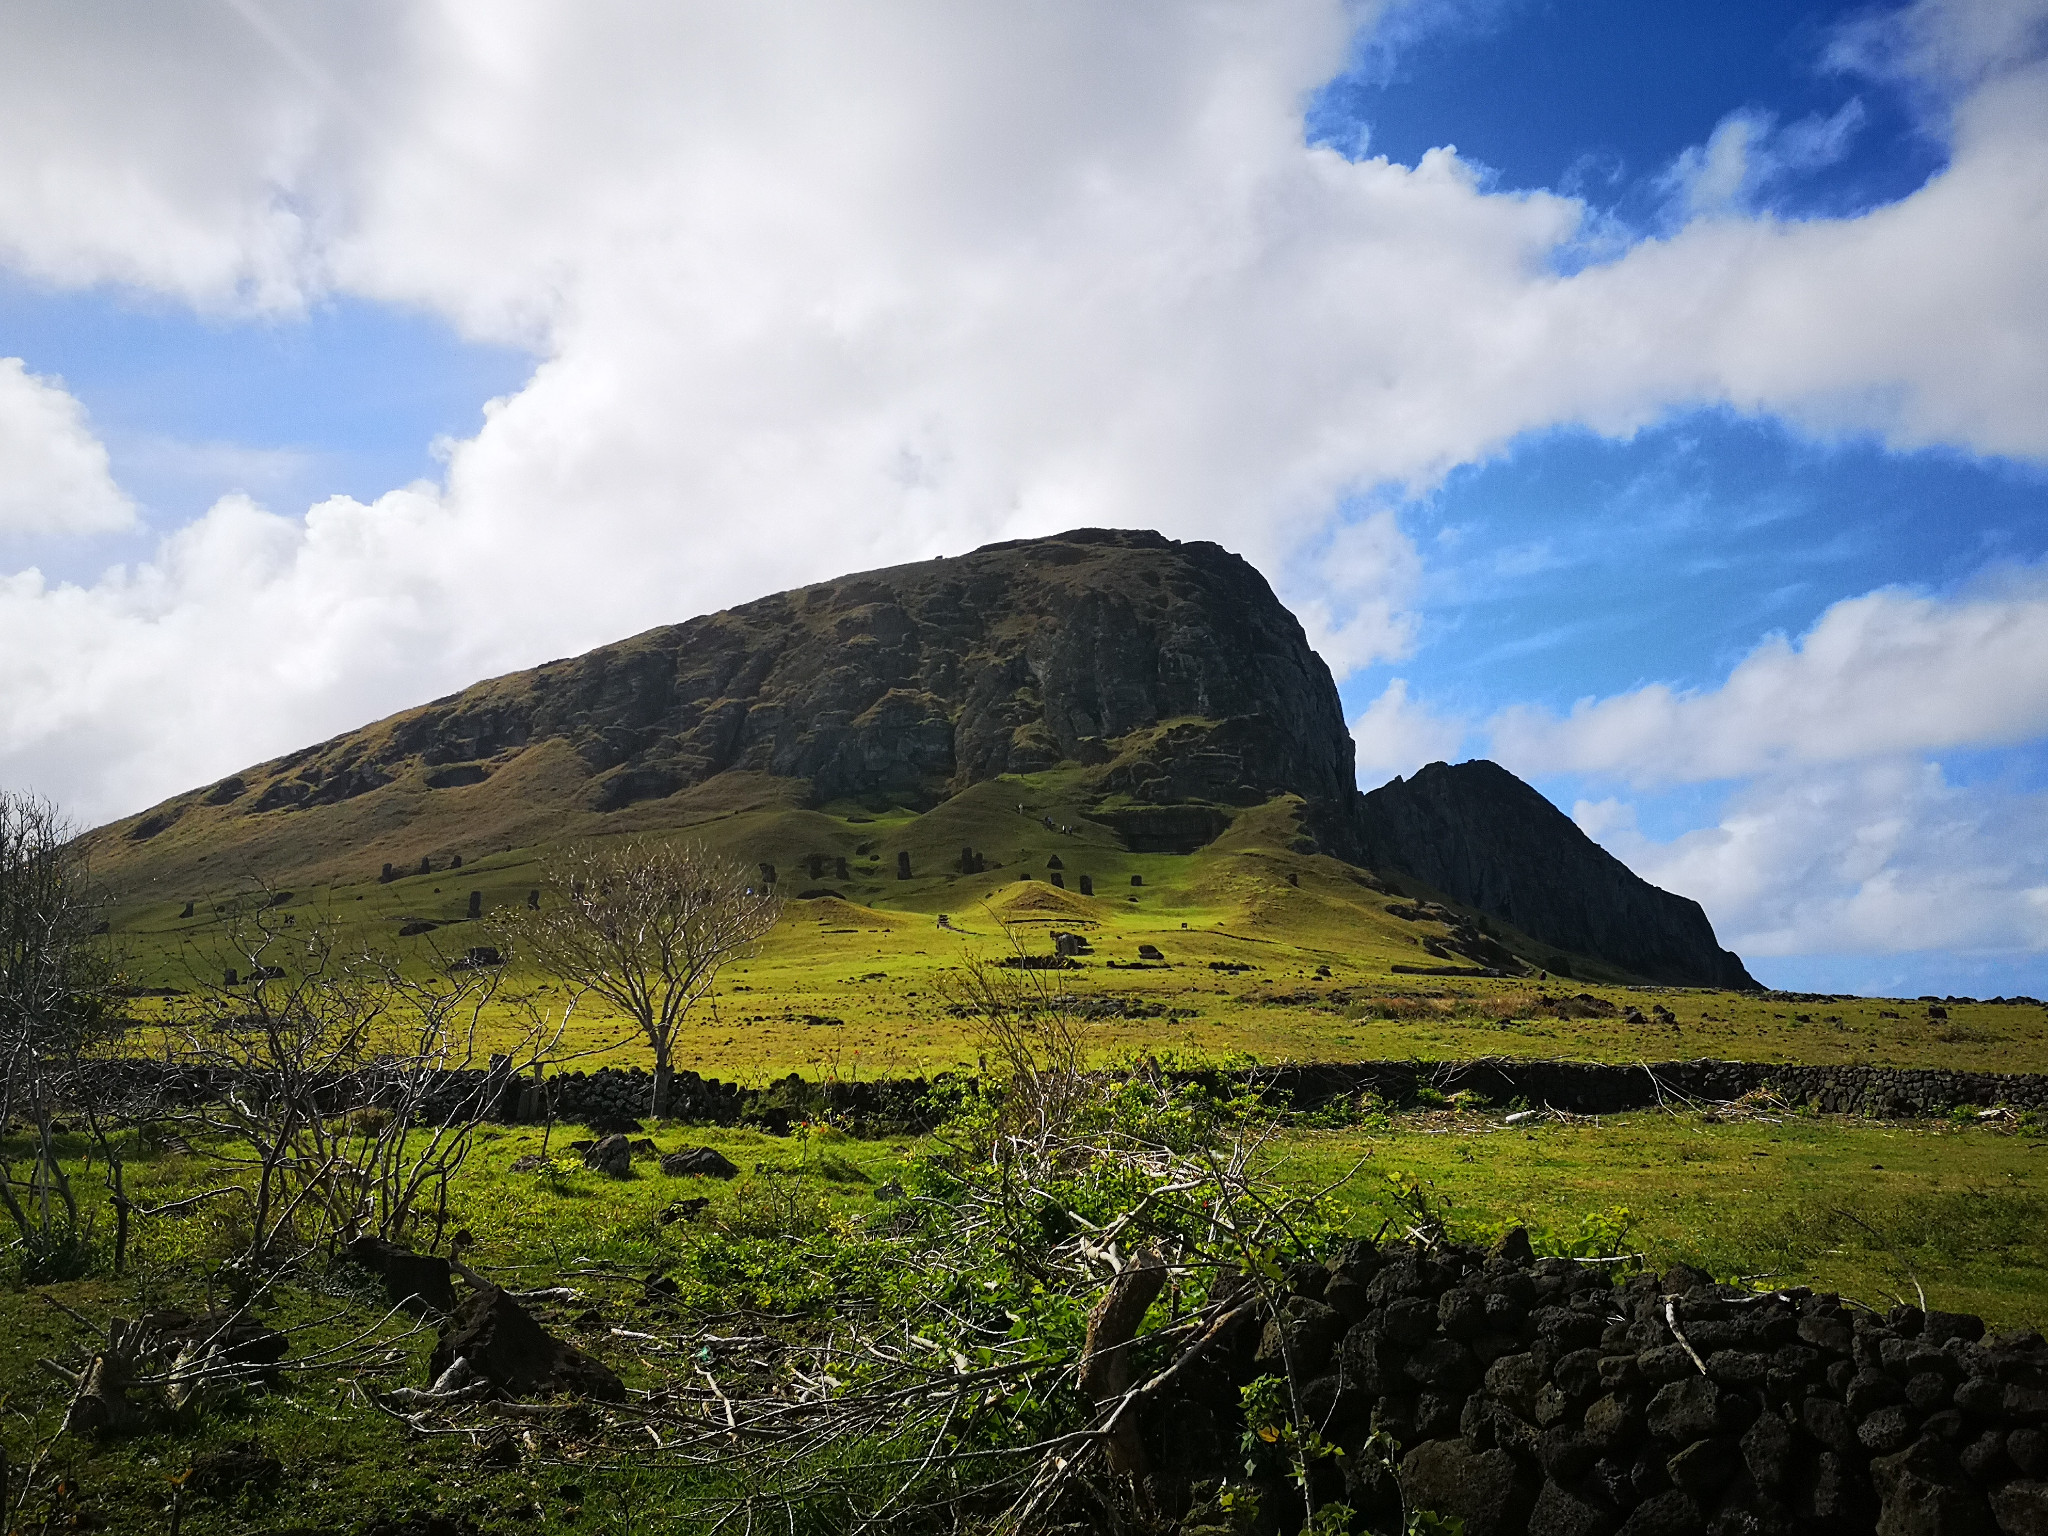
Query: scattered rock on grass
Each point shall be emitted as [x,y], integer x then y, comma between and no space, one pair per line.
[410,1279]
[613,1155]
[505,1346]
[702,1162]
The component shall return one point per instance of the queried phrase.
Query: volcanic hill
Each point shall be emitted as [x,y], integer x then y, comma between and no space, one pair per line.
[1156,688]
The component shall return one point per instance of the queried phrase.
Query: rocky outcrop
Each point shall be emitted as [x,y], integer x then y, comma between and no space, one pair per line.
[1172,665]
[1167,670]
[1547,1396]
[1482,837]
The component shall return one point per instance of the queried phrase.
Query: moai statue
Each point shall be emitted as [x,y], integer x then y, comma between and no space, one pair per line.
[767,874]
[1058,879]
[229,978]
[1087,885]
[1137,879]
[1054,863]
[533,900]
[839,869]
[456,862]
[426,865]
[903,865]
[476,905]
[816,864]
[188,910]
[387,876]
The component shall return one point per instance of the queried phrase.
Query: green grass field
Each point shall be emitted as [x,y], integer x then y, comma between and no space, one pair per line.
[1868,1209]
[1268,953]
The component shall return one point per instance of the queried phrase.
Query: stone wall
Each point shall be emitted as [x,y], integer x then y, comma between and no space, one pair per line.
[1594,1088]
[1539,1395]
[914,1103]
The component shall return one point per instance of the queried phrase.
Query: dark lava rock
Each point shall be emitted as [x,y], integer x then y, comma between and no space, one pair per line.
[1923,1493]
[2021,1509]
[1885,1431]
[1671,1513]
[1444,1366]
[1703,1467]
[1565,1454]
[1833,1493]
[1770,1450]
[410,1279]
[1613,1422]
[1939,1327]
[1560,1512]
[1485,1489]
[504,1344]
[1516,1380]
[699,1162]
[1300,1338]
[1685,1411]
[1831,1424]
[612,1156]
[1409,1321]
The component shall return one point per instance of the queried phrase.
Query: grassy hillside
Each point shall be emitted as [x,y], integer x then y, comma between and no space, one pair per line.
[1267,951]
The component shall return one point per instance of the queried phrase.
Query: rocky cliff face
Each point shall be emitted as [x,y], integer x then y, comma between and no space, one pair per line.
[1171,666]
[1483,837]
[1168,670]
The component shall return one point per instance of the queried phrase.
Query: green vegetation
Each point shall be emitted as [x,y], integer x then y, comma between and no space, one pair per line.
[805,1234]
[1267,952]
[873,1273]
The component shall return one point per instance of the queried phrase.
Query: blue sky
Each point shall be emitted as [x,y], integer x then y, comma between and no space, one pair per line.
[347,398]
[1681,440]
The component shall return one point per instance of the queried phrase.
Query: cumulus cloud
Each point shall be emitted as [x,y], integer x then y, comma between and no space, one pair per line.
[1397,735]
[1887,673]
[818,287]
[1354,593]
[53,472]
[1883,858]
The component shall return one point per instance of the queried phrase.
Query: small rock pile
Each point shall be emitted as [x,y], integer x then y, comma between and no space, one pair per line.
[1538,1395]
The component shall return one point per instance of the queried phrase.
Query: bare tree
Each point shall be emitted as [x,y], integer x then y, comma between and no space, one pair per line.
[55,990]
[646,925]
[349,1091]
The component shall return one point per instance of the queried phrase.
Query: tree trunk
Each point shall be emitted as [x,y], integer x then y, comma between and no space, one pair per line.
[664,1079]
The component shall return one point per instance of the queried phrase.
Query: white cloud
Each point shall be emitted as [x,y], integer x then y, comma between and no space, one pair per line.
[1886,673]
[1397,735]
[1353,590]
[1748,154]
[1881,858]
[821,287]
[53,471]
[1943,44]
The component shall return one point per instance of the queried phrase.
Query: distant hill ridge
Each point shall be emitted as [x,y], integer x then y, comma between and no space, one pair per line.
[1167,672]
